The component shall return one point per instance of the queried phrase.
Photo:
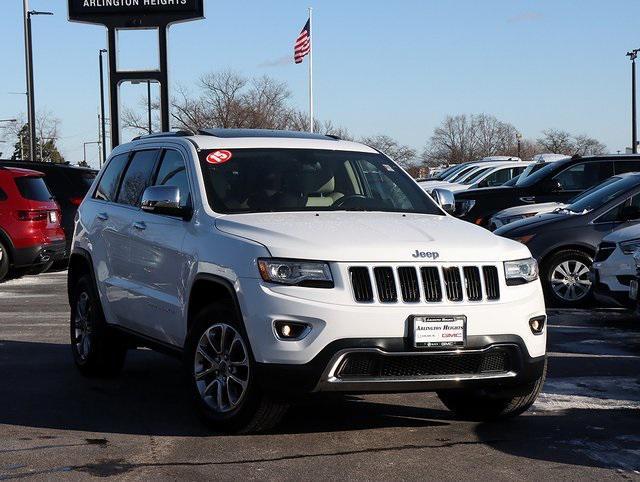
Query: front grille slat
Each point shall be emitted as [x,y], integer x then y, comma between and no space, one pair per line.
[456,283]
[386,285]
[472,280]
[409,284]
[431,283]
[491,282]
[361,283]
[452,283]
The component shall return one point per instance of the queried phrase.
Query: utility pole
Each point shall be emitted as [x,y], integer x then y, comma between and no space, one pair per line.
[634,132]
[31,109]
[102,119]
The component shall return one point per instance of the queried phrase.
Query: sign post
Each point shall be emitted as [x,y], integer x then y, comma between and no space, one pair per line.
[136,14]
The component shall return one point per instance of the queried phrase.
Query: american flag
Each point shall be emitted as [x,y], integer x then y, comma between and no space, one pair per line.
[302,46]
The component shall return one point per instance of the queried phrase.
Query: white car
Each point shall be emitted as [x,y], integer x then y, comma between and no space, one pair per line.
[463,179]
[493,175]
[276,263]
[614,267]
[468,168]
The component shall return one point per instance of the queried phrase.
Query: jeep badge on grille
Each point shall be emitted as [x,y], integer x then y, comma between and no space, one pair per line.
[426,254]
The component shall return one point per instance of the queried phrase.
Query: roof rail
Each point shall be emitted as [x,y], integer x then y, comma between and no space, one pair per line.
[234,133]
[180,133]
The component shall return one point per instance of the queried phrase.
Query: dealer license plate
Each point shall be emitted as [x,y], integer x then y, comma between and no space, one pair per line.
[439,331]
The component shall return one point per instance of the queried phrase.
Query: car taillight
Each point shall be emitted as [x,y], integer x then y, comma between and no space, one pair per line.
[32,215]
[76,201]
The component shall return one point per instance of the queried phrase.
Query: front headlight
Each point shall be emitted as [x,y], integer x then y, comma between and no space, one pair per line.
[316,274]
[520,271]
[464,206]
[629,247]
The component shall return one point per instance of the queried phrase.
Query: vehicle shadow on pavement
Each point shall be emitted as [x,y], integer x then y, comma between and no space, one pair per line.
[42,388]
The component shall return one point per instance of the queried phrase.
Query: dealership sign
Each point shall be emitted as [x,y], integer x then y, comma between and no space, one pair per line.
[135,13]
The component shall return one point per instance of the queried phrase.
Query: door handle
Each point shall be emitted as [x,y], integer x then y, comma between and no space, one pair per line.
[140,225]
[103,216]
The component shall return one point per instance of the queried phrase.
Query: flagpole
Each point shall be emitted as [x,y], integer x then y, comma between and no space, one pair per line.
[311,72]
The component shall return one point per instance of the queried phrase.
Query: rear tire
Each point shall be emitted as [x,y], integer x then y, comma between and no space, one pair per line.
[564,279]
[480,405]
[4,262]
[221,373]
[98,350]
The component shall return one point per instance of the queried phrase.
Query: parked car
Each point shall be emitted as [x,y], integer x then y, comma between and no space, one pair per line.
[31,238]
[495,175]
[634,284]
[516,213]
[460,171]
[557,181]
[471,171]
[68,184]
[275,263]
[564,242]
[614,267]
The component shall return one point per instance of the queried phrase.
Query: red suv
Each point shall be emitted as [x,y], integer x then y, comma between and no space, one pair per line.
[31,237]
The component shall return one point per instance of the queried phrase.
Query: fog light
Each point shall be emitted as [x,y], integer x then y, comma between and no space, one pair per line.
[537,324]
[291,330]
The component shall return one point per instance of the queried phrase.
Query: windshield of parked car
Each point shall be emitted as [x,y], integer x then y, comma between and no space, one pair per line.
[442,175]
[593,189]
[281,180]
[461,174]
[603,195]
[475,176]
[530,169]
[33,188]
[540,174]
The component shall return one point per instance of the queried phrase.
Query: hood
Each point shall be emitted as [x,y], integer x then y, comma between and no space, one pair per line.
[538,208]
[518,228]
[623,234]
[371,237]
[455,187]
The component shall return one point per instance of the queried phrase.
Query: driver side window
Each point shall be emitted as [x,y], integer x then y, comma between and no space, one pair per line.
[580,177]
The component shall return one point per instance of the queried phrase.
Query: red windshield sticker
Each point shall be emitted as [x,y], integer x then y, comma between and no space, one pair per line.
[219,157]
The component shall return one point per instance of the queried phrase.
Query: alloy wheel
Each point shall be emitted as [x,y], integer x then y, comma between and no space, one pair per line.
[82,326]
[221,367]
[569,280]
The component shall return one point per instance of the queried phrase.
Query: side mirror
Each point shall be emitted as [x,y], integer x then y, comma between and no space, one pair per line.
[445,199]
[629,213]
[164,200]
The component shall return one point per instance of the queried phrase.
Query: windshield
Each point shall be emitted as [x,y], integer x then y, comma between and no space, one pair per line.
[281,180]
[445,173]
[530,169]
[474,176]
[605,192]
[541,173]
[461,174]
[33,188]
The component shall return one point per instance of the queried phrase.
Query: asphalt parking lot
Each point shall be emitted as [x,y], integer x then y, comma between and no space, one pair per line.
[55,424]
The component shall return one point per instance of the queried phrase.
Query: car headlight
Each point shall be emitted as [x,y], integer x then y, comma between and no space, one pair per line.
[629,247]
[316,274]
[464,206]
[520,271]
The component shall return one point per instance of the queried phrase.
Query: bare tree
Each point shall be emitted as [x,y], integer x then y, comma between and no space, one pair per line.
[464,138]
[404,155]
[562,142]
[47,134]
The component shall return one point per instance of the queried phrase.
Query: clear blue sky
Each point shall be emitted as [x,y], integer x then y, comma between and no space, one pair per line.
[381,67]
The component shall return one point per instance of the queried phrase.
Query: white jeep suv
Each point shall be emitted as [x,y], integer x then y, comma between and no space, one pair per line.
[276,263]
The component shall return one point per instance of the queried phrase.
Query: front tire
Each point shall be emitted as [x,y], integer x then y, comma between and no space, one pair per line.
[98,351]
[565,278]
[4,262]
[480,405]
[221,374]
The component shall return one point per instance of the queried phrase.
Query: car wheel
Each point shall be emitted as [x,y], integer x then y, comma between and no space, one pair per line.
[566,278]
[98,350]
[222,375]
[4,262]
[482,405]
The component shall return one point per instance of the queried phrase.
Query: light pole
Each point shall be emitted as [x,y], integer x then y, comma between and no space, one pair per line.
[634,133]
[31,109]
[519,139]
[84,149]
[102,119]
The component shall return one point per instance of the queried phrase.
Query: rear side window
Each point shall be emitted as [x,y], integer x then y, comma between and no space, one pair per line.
[627,166]
[173,172]
[33,188]
[80,181]
[584,175]
[108,185]
[137,177]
